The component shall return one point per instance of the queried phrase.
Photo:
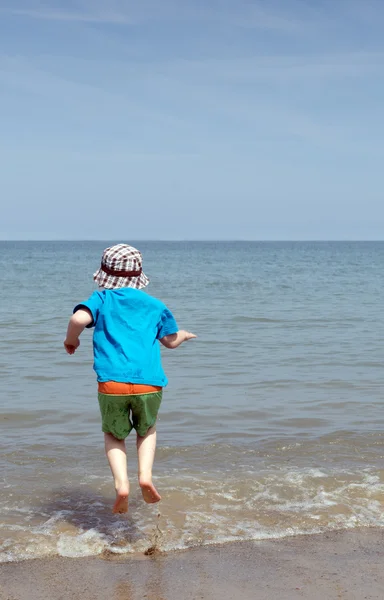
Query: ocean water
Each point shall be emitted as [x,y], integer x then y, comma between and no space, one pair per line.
[272,424]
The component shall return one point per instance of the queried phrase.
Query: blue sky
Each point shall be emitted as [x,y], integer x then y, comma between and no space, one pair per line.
[181,119]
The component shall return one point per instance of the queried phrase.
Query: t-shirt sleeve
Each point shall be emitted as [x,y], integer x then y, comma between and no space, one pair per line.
[167,324]
[94,304]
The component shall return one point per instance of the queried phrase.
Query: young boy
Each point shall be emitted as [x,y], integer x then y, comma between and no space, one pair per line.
[128,323]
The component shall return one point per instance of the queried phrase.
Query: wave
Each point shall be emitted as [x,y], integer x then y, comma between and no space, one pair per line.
[197,510]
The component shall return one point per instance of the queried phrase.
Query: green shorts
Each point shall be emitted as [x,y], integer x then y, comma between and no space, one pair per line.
[122,413]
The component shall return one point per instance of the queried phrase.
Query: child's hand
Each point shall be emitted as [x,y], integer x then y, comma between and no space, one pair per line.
[71,348]
[189,336]
[175,339]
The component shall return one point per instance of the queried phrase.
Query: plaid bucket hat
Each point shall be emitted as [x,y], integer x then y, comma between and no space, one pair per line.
[121,266]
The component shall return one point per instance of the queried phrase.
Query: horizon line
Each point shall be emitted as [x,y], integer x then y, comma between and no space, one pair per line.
[222,240]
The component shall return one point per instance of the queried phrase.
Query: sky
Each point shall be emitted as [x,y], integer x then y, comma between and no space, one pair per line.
[192,119]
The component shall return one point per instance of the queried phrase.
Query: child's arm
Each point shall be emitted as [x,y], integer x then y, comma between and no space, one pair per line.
[175,339]
[76,326]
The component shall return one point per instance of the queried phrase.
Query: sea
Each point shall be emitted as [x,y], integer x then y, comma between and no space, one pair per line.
[272,424]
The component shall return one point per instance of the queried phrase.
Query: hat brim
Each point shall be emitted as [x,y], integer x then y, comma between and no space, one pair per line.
[110,282]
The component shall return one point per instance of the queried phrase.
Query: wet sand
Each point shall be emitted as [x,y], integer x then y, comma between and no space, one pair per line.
[346,565]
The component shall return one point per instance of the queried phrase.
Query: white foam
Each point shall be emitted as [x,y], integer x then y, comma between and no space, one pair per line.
[89,543]
[204,510]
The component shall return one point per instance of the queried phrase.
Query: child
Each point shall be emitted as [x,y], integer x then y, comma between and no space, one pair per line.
[128,324]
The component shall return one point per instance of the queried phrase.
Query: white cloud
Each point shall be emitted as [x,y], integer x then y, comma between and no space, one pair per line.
[280,68]
[239,13]
[189,95]
[74,16]
[253,92]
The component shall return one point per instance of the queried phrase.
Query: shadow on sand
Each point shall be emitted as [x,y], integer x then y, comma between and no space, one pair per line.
[86,511]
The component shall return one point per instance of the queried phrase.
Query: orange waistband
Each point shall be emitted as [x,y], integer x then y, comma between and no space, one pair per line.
[117,388]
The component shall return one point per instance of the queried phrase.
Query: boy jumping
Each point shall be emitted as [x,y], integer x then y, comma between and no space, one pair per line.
[128,324]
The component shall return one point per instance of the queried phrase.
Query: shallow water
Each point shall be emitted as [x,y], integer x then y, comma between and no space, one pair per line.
[272,424]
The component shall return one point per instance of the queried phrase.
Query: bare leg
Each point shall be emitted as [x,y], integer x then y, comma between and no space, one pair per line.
[146,447]
[117,458]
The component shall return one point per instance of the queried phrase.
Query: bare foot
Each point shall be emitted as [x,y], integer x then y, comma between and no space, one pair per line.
[150,493]
[121,504]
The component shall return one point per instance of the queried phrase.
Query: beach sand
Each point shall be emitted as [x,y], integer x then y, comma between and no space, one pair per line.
[346,565]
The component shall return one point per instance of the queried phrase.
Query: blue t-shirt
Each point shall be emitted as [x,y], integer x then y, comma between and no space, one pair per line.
[128,324]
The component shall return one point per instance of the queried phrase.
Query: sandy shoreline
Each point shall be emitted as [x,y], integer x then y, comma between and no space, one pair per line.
[346,565]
